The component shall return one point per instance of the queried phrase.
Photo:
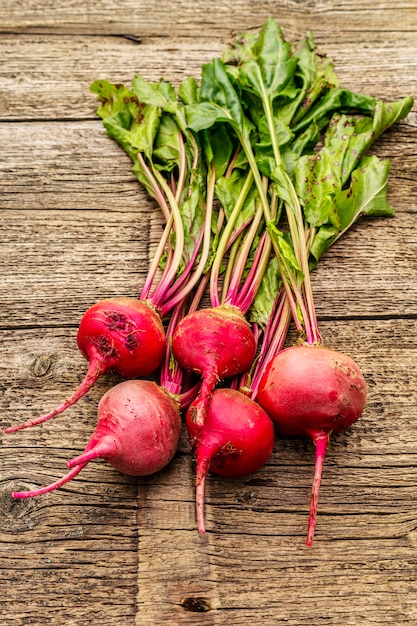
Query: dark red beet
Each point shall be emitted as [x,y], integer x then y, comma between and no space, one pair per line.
[312,391]
[122,334]
[137,432]
[215,343]
[236,439]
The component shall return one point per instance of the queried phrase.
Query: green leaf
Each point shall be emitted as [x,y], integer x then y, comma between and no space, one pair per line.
[366,195]
[134,134]
[271,67]
[126,118]
[220,104]
[368,130]
[161,95]
[317,180]
[316,72]
[240,48]
[218,147]
[282,185]
[167,148]
[204,115]
[114,99]
[321,176]
[152,93]
[388,113]
[336,99]
[263,304]
[325,236]
[189,91]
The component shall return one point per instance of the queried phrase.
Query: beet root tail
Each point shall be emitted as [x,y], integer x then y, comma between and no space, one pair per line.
[204,457]
[202,403]
[59,483]
[321,447]
[95,369]
[103,448]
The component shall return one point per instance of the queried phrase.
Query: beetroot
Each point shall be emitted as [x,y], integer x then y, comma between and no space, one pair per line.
[122,334]
[236,440]
[312,391]
[215,343]
[137,432]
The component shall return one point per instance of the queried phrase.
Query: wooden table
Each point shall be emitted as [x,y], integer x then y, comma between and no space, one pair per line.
[108,550]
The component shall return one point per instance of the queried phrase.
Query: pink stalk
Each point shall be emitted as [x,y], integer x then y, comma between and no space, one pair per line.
[234,286]
[182,170]
[171,269]
[155,188]
[193,279]
[187,396]
[171,377]
[153,269]
[242,294]
[272,344]
[184,276]
[202,341]
[250,287]
[225,240]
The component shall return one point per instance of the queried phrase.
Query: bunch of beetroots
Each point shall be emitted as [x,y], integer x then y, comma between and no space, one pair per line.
[265,138]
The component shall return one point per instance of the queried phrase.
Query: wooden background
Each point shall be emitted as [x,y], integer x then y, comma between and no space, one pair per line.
[76,227]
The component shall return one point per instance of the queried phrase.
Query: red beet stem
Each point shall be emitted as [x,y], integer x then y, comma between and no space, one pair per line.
[321,446]
[95,369]
[105,448]
[59,483]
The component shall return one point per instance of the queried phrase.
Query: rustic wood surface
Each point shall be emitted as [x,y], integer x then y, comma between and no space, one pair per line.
[107,549]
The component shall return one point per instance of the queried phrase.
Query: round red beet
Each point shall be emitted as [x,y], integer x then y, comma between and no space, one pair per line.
[236,440]
[312,391]
[122,334]
[138,432]
[215,343]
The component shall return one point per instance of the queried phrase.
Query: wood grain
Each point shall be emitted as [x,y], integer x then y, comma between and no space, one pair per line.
[76,227]
[56,84]
[342,22]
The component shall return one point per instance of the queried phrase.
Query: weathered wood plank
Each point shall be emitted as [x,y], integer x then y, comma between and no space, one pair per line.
[71,263]
[47,77]
[69,557]
[79,258]
[216,19]
[70,165]
[65,563]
